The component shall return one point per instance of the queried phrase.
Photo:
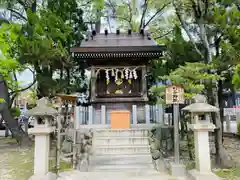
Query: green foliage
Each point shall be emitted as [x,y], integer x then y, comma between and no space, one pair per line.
[15,112]
[8,57]
[41,39]
[192,76]
[236,77]
[98,4]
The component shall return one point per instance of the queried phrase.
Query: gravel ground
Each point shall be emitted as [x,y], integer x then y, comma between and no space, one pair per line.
[17,163]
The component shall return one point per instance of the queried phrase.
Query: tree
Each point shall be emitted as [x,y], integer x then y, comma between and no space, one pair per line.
[131,15]
[41,44]
[190,75]
[203,25]
[8,67]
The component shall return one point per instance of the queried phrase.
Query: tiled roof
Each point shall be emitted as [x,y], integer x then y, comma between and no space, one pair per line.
[114,40]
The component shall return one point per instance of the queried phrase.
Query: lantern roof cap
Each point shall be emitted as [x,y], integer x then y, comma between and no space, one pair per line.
[43,108]
[199,107]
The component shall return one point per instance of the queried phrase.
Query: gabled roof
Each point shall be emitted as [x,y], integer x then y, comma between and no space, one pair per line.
[117,46]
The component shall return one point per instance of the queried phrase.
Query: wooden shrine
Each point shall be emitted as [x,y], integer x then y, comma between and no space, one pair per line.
[118,64]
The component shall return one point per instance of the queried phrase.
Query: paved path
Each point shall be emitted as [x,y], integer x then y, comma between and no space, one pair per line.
[141,175]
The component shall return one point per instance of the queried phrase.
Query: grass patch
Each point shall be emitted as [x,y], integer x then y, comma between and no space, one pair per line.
[229,174]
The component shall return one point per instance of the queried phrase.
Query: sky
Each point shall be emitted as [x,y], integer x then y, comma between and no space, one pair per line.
[25,77]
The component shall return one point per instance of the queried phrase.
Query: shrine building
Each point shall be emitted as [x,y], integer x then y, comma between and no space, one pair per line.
[119,65]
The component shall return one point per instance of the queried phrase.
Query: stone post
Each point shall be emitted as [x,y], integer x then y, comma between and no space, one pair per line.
[103,115]
[41,131]
[201,125]
[134,114]
[77,118]
[90,115]
[228,123]
[147,114]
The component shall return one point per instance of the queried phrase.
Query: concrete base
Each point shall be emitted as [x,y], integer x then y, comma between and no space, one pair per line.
[196,175]
[178,170]
[48,176]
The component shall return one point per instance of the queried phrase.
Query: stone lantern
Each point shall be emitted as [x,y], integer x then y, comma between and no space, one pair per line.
[43,115]
[201,125]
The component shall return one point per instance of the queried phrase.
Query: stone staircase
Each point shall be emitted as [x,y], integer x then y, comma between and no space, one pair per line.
[119,154]
[121,150]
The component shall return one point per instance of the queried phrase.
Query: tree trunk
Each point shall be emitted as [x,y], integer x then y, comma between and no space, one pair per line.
[11,124]
[222,157]
[98,23]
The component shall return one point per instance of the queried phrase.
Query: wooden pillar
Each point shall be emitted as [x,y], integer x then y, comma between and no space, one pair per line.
[93,83]
[144,83]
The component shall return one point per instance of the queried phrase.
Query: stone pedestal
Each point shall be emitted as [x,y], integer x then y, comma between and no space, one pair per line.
[178,170]
[41,153]
[202,152]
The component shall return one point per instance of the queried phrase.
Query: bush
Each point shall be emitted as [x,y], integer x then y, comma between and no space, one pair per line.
[15,112]
[238,128]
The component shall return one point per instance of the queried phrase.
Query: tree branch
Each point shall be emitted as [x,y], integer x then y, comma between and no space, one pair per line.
[156,13]
[143,13]
[165,34]
[184,26]
[27,87]
[131,13]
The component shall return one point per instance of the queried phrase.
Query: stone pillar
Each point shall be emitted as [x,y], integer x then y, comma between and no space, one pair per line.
[41,131]
[103,115]
[134,114]
[90,115]
[160,116]
[228,123]
[147,114]
[77,117]
[41,153]
[202,152]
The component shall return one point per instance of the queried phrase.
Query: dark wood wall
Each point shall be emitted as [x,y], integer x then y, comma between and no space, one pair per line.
[133,89]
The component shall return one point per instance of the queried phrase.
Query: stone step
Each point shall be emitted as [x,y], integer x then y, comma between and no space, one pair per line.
[120,140]
[122,149]
[121,133]
[116,175]
[122,159]
[123,167]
